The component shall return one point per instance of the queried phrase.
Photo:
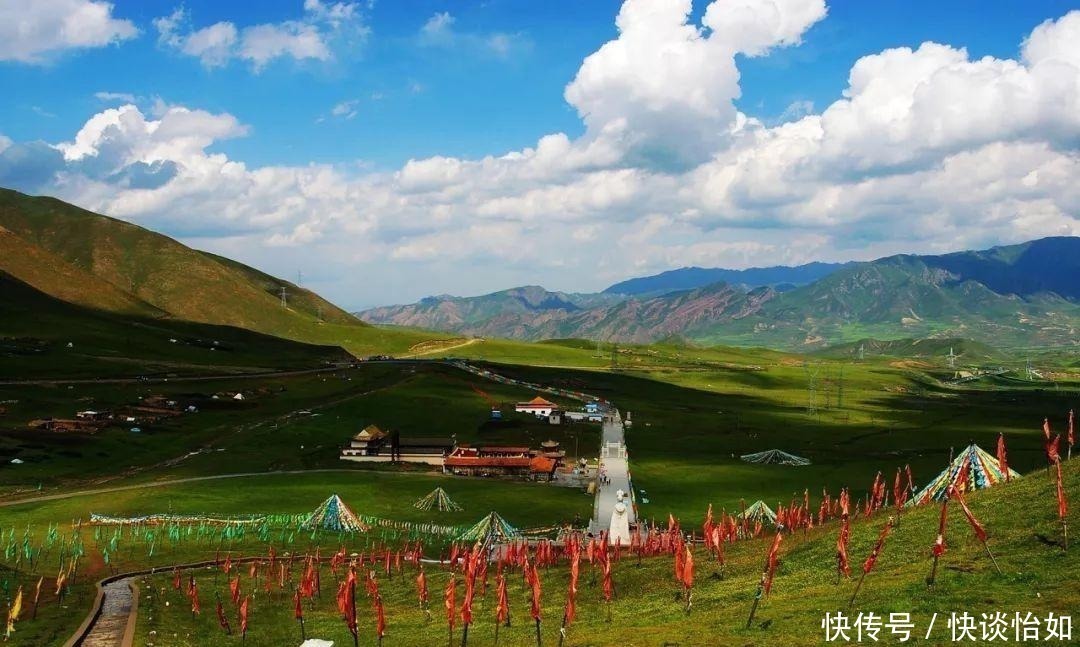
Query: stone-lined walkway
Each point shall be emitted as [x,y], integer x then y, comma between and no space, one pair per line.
[111,625]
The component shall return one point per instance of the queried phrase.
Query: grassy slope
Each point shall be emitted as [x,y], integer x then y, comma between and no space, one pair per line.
[264,432]
[176,279]
[1020,517]
[1037,578]
[681,454]
[103,259]
[36,328]
[53,275]
[692,423]
[299,299]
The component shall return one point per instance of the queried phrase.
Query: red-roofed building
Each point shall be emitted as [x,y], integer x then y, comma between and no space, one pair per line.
[538,406]
[488,461]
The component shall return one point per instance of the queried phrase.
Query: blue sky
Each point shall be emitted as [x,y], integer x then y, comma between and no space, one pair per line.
[472,103]
[378,84]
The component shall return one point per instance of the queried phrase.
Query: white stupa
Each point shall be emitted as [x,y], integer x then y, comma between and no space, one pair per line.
[619,529]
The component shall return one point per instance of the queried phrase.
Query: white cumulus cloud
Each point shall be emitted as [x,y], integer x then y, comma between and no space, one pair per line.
[308,38]
[927,149]
[35,31]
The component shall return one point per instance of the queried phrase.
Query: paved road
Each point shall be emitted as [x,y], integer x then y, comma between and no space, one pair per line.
[613,462]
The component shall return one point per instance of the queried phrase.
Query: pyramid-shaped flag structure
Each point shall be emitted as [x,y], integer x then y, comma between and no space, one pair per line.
[758,511]
[775,457]
[333,514]
[439,500]
[490,529]
[972,469]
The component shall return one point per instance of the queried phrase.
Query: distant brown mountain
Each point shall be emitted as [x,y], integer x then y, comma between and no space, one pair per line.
[534,313]
[1013,295]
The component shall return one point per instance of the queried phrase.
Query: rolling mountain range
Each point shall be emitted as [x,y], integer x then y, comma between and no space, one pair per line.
[1025,294]
[687,278]
[1017,295]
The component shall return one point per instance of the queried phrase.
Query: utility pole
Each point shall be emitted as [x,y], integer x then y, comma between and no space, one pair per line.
[840,389]
[811,387]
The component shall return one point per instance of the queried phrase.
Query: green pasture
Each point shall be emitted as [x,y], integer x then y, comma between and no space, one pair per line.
[1024,534]
[286,423]
[690,427]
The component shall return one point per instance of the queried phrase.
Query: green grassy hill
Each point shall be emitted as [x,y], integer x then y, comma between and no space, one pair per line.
[52,274]
[110,265]
[36,330]
[177,280]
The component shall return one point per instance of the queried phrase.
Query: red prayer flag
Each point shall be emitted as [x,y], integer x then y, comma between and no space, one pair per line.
[939,543]
[609,587]
[234,589]
[871,559]
[502,608]
[449,601]
[571,591]
[688,569]
[535,608]
[1046,428]
[298,608]
[680,556]
[1002,457]
[222,620]
[380,617]
[1052,453]
[244,615]
[194,595]
[467,600]
[176,579]
[421,587]
[706,527]
[772,560]
[845,535]
[1063,504]
[1071,433]
[980,532]
[898,490]
[349,601]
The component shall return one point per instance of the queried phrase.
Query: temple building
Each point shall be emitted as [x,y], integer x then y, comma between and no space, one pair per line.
[373,444]
[538,406]
[366,443]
